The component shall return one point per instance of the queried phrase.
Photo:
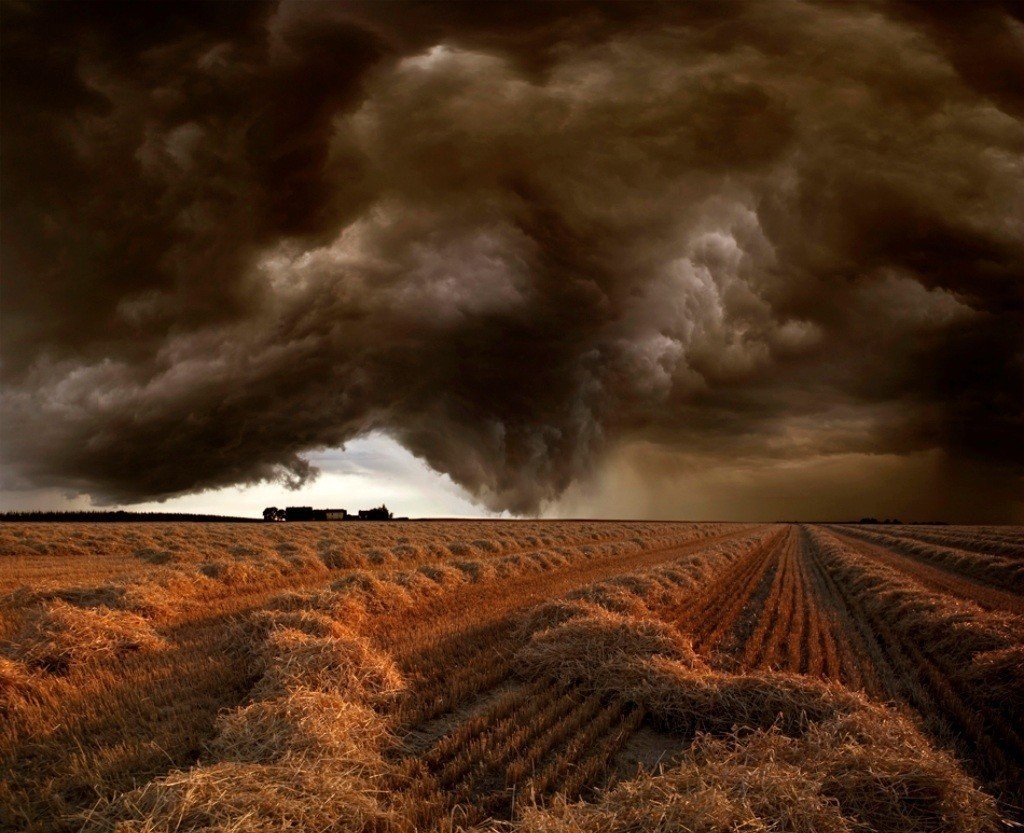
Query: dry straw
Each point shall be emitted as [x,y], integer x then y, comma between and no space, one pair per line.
[589,647]
[313,725]
[57,635]
[341,664]
[305,755]
[296,795]
[15,683]
[1000,675]
[823,782]
[756,752]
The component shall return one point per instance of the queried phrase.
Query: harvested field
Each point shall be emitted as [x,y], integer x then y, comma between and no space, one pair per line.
[534,676]
[937,577]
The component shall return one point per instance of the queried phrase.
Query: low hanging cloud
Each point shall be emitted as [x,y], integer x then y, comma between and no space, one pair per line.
[518,240]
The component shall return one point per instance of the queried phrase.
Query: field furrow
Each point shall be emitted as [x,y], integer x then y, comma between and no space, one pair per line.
[939,578]
[1002,541]
[1001,572]
[710,616]
[909,639]
[799,625]
[849,645]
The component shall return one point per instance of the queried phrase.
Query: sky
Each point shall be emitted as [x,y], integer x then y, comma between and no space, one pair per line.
[656,260]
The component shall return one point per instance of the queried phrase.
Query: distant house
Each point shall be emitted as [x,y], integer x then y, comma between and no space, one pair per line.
[336,514]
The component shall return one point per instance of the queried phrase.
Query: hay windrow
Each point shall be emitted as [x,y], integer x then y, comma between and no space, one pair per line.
[344,663]
[305,754]
[232,797]
[309,724]
[588,647]
[57,635]
[551,614]
[1000,674]
[651,664]
[825,781]
[958,626]
[338,605]
[624,600]
[764,751]
[16,681]
[693,799]
[374,593]
[684,702]
[310,622]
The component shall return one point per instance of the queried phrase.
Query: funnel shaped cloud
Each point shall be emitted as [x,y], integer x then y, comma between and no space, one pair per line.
[517,239]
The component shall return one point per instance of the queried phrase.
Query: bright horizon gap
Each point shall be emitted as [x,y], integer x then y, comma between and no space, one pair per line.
[376,469]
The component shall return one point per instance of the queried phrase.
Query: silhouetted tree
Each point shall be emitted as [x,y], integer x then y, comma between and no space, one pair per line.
[381,513]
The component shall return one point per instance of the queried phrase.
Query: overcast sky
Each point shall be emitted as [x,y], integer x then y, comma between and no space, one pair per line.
[724,260]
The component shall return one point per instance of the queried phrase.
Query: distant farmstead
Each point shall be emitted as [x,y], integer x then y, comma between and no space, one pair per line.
[308,513]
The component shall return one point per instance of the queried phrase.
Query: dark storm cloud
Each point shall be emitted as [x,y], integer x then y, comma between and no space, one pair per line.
[512,236]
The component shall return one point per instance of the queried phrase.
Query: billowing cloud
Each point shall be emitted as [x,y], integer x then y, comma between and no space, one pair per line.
[520,240]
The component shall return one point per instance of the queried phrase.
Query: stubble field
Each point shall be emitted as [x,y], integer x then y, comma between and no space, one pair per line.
[559,677]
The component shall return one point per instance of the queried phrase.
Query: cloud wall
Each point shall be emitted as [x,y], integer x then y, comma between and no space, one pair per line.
[520,240]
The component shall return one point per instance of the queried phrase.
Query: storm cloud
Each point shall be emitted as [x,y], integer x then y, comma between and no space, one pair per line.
[520,239]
